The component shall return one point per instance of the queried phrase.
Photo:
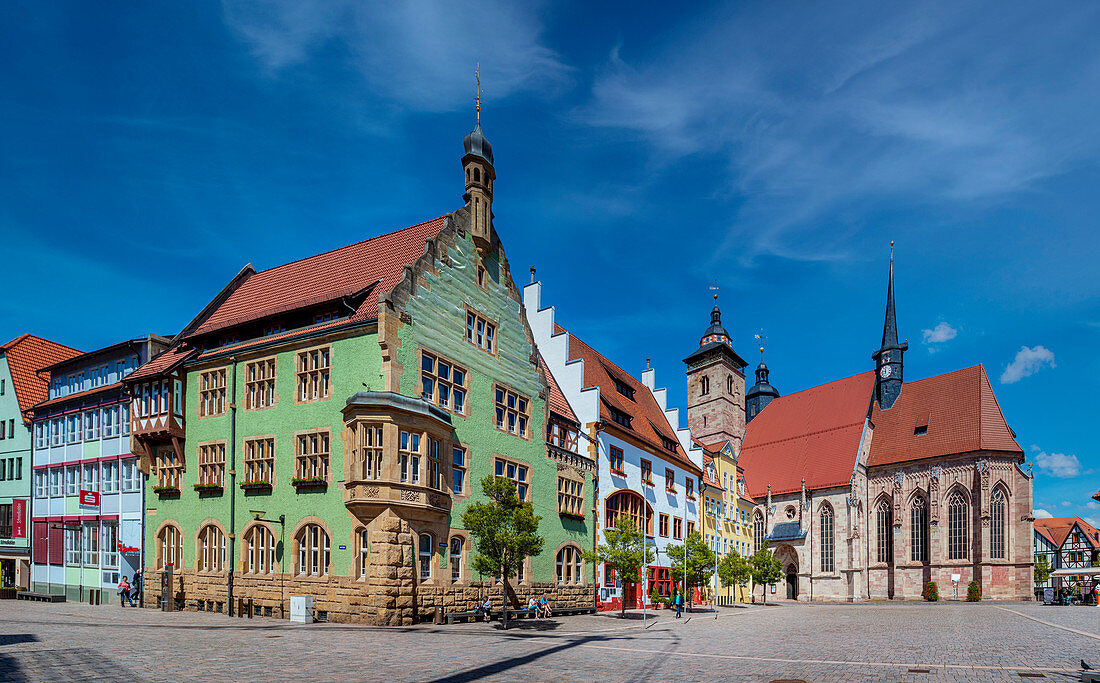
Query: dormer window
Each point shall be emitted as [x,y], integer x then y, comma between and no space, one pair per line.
[620,417]
[624,389]
[325,316]
[274,328]
[669,444]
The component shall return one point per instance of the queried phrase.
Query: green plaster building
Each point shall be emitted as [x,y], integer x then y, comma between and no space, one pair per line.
[333,417]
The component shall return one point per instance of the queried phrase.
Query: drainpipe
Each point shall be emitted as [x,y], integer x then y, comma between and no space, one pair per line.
[232,483]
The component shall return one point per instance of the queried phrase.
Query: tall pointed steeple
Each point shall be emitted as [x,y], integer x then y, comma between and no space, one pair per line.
[477,163]
[888,358]
[762,393]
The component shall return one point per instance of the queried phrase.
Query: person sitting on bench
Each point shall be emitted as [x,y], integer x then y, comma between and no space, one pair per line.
[483,608]
[533,606]
[544,608]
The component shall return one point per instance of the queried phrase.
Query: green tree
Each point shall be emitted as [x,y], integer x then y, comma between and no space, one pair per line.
[625,551]
[734,570]
[1042,569]
[505,531]
[766,568]
[700,561]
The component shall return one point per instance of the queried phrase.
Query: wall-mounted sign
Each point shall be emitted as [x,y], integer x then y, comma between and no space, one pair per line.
[128,549]
[89,498]
[343,547]
[18,518]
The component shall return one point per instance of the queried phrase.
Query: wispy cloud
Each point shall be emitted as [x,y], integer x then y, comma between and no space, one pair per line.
[1041,513]
[417,53]
[1027,362]
[1092,505]
[939,334]
[926,104]
[1057,464]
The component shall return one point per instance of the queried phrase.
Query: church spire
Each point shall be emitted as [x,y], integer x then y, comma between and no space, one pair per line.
[762,393]
[890,325]
[477,164]
[888,358]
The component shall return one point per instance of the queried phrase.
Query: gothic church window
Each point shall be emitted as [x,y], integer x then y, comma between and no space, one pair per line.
[997,525]
[918,531]
[704,386]
[757,531]
[958,527]
[885,528]
[827,564]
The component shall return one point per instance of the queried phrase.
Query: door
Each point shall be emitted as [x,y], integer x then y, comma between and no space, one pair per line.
[792,585]
[629,595]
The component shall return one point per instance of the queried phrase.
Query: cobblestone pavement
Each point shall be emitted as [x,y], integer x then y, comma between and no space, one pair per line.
[872,642]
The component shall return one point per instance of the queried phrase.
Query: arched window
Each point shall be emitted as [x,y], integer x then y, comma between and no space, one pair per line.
[918,530]
[997,525]
[757,531]
[211,549]
[633,506]
[364,552]
[704,386]
[569,564]
[314,551]
[477,175]
[259,548]
[958,527]
[171,546]
[729,384]
[456,558]
[425,557]
[827,564]
[884,524]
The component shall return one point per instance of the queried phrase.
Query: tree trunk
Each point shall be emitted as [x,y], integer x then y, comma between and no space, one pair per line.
[504,603]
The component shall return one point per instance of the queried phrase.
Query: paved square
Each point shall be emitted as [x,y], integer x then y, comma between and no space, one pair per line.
[879,642]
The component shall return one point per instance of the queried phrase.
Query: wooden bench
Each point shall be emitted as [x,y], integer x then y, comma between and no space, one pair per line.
[494,615]
[572,610]
[39,597]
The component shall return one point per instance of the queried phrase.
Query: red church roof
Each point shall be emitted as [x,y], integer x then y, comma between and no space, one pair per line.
[26,354]
[814,434]
[957,413]
[325,277]
[1057,529]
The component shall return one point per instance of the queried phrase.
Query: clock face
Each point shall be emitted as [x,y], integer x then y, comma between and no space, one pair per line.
[885,371]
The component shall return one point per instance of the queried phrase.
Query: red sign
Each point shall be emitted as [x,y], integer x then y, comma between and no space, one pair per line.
[19,518]
[89,498]
[129,549]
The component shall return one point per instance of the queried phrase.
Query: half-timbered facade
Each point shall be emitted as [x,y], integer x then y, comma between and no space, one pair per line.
[1069,543]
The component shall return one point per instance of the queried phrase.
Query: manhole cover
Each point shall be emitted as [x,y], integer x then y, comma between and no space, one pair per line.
[788,680]
[919,671]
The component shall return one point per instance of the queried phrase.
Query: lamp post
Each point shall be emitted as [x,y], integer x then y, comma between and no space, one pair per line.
[258,515]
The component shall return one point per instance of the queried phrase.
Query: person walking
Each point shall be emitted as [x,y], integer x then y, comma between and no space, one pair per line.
[124,592]
[135,588]
[679,602]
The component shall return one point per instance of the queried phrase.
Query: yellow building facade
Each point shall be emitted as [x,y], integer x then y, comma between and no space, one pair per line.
[726,519]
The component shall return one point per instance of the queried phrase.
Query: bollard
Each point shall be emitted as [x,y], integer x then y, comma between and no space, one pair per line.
[250,608]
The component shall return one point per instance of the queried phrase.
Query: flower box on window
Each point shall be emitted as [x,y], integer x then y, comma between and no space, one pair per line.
[571,515]
[648,482]
[256,485]
[165,491]
[691,496]
[618,473]
[670,489]
[208,488]
[309,482]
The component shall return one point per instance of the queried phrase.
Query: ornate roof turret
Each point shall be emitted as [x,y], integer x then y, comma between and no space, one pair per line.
[761,394]
[475,144]
[715,337]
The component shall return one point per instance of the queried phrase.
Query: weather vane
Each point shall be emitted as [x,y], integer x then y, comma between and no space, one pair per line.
[761,337]
[715,288]
[477,100]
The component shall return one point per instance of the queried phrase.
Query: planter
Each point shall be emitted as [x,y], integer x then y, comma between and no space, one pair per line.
[8,593]
[167,491]
[208,488]
[256,486]
[305,484]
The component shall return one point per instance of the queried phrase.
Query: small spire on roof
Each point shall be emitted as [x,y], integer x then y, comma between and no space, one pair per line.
[477,100]
[647,362]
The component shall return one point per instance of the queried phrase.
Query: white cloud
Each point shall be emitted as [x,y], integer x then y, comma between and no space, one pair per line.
[1027,362]
[1057,464]
[940,333]
[1092,505]
[1066,503]
[1041,513]
[417,53]
[1092,520]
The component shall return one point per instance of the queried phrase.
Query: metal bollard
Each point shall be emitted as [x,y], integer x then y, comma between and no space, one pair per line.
[250,610]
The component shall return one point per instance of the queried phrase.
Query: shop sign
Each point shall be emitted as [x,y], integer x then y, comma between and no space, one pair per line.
[18,518]
[89,498]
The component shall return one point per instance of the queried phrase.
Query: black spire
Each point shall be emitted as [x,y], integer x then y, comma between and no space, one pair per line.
[715,337]
[888,358]
[762,393]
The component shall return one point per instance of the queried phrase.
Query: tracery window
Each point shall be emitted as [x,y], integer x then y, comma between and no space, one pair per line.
[757,531]
[918,530]
[827,564]
[958,527]
[884,524]
[997,525]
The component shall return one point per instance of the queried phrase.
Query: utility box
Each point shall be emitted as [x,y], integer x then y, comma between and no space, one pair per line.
[301,609]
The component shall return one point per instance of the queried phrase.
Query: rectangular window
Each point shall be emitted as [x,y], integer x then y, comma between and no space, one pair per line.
[561,435]
[131,475]
[212,464]
[313,367]
[56,475]
[212,392]
[311,456]
[670,480]
[177,397]
[5,520]
[40,483]
[458,469]
[690,527]
[259,384]
[616,457]
[91,544]
[371,451]
[124,419]
[72,545]
[662,525]
[570,497]
[433,464]
[516,472]
[110,545]
[647,472]
[110,476]
[39,434]
[480,332]
[512,412]
[689,485]
[109,422]
[619,417]
[443,383]
[91,425]
[409,456]
[72,480]
[677,528]
[259,460]
[72,428]
[169,468]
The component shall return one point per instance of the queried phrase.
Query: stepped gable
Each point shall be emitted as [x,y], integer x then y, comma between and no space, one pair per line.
[814,433]
[648,422]
[371,266]
[956,412]
[26,355]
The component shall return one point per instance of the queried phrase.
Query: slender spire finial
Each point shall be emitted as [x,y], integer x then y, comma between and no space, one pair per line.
[760,336]
[477,100]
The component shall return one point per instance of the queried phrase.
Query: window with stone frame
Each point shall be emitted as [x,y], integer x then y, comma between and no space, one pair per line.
[997,507]
[570,497]
[480,332]
[370,450]
[259,549]
[443,383]
[311,456]
[569,567]
[408,456]
[455,558]
[314,551]
[170,542]
[704,385]
[435,475]
[458,469]
[211,555]
[212,392]
[424,555]
[517,472]
[958,527]
[259,460]
[884,531]
[312,368]
[616,459]
[677,528]
[827,539]
[212,464]
[169,467]
[512,411]
[363,541]
[662,525]
[918,530]
[259,384]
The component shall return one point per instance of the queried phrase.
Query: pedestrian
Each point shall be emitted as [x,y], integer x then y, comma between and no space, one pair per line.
[124,592]
[544,608]
[135,589]
[679,602]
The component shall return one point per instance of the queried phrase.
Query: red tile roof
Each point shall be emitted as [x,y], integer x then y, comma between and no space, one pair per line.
[557,401]
[959,410]
[164,362]
[1096,497]
[813,433]
[648,423]
[26,354]
[1057,529]
[40,408]
[325,277]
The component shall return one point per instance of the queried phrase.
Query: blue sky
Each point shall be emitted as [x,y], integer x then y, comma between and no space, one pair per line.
[642,154]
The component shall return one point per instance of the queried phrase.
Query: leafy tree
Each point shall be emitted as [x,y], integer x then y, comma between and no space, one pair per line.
[766,568]
[734,570]
[700,562]
[1042,569]
[505,531]
[625,551]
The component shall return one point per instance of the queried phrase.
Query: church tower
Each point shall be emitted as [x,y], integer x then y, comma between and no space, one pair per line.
[716,386]
[888,359]
[762,393]
[477,164]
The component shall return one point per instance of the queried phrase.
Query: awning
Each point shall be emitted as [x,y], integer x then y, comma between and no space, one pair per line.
[1079,571]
